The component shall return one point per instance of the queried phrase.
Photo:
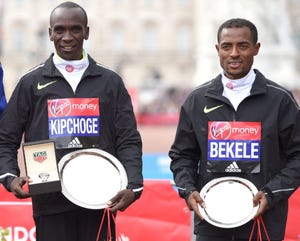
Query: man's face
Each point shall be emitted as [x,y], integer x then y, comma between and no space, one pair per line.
[68,30]
[236,51]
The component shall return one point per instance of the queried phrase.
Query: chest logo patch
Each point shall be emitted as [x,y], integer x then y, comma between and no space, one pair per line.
[234,141]
[73,117]
[42,86]
[207,110]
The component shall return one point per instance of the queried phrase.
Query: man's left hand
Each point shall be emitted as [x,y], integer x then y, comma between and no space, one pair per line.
[121,201]
[261,200]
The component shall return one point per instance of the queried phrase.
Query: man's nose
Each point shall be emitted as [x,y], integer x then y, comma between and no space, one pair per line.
[67,36]
[235,51]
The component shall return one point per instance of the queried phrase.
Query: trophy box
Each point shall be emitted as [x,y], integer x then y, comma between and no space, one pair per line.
[41,167]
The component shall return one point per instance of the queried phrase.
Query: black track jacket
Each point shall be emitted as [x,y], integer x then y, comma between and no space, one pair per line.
[279,114]
[27,113]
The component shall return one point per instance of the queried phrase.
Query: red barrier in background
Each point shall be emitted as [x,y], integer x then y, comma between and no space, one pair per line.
[158,215]
[293,223]
[16,215]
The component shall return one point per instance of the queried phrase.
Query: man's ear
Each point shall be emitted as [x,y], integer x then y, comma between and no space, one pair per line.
[257,46]
[87,33]
[50,34]
[217,46]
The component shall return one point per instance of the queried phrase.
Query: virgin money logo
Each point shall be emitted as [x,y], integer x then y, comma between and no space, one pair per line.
[60,107]
[220,130]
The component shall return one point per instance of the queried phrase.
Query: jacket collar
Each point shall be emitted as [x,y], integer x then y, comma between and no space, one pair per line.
[50,70]
[259,86]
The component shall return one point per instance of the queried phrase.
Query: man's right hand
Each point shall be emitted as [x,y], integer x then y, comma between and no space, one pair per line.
[193,201]
[16,187]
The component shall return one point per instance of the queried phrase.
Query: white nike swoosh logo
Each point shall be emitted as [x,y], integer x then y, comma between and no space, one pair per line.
[40,86]
[207,110]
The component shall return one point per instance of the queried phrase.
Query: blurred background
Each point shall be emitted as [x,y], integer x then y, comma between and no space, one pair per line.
[162,49]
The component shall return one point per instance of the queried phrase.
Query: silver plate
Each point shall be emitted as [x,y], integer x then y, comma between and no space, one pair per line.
[228,202]
[91,177]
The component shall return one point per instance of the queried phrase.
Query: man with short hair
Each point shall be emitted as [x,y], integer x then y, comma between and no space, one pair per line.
[71,76]
[205,148]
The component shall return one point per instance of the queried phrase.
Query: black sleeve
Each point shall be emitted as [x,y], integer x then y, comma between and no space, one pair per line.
[12,126]
[128,140]
[284,183]
[184,154]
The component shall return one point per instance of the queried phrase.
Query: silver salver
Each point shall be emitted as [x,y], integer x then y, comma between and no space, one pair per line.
[91,177]
[228,201]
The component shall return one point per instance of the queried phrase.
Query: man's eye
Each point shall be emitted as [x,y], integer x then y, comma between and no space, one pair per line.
[77,30]
[243,46]
[226,47]
[58,30]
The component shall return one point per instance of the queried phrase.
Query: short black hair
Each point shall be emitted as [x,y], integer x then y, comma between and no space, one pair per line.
[239,23]
[70,4]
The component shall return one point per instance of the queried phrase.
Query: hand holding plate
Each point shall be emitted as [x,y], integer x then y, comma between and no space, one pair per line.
[261,200]
[122,200]
[193,201]
[228,201]
[16,187]
[102,177]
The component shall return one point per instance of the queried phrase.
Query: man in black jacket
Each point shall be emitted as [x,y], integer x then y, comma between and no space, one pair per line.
[205,147]
[70,77]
